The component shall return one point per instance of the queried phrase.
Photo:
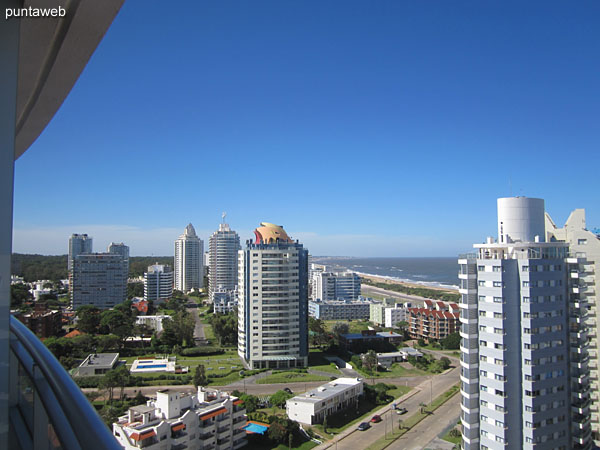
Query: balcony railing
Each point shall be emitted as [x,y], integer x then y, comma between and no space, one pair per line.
[47,408]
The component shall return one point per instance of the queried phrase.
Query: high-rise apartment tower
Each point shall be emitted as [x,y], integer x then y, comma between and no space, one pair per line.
[189,261]
[78,244]
[524,373]
[223,245]
[158,283]
[273,300]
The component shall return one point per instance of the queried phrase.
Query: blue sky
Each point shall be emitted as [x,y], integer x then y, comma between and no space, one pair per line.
[383,128]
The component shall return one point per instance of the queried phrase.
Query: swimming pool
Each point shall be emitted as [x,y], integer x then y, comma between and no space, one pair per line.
[256,428]
[151,366]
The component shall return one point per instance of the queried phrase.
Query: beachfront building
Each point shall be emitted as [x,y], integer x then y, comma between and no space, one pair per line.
[224,300]
[524,349]
[158,283]
[313,406]
[98,279]
[273,300]
[208,419]
[433,322]
[585,244]
[328,286]
[223,246]
[339,309]
[189,258]
[392,316]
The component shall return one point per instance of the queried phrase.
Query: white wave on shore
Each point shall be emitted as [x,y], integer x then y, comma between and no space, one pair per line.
[408,280]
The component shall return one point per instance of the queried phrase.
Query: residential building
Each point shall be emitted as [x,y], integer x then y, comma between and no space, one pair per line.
[392,316]
[78,244]
[158,283]
[208,419]
[152,322]
[339,309]
[97,364]
[273,300]
[369,338]
[98,279]
[585,244]
[120,249]
[189,258]
[335,286]
[42,321]
[223,246]
[313,406]
[387,359]
[433,322]
[524,362]
[224,300]
[376,313]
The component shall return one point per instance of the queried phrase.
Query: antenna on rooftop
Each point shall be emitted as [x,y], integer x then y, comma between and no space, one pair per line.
[223,215]
[510,186]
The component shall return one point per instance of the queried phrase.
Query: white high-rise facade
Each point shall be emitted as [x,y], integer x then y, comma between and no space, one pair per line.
[223,245]
[585,244]
[335,286]
[158,282]
[524,375]
[273,301]
[189,261]
[78,244]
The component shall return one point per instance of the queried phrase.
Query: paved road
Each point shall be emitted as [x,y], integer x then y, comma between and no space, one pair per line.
[351,439]
[428,429]
[366,290]
[199,328]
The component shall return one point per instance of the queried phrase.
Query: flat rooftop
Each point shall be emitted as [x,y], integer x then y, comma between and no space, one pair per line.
[100,360]
[327,390]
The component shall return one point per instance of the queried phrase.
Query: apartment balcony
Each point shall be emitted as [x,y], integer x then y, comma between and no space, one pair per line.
[44,397]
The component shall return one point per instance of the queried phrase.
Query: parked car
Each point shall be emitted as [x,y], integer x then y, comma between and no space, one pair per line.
[401,411]
[376,419]
[364,426]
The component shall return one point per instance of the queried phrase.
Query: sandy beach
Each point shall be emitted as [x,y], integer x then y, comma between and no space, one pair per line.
[411,285]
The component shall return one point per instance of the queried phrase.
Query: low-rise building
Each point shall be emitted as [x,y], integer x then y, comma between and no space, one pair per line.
[387,359]
[42,321]
[392,316]
[97,364]
[208,419]
[369,337]
[153,322]
[313,406]
[434,322]
[339,309]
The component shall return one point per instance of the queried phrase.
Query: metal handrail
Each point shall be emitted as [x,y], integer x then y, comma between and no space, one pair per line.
[75,421]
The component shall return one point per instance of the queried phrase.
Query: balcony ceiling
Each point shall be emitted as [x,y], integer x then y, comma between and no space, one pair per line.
[52,54]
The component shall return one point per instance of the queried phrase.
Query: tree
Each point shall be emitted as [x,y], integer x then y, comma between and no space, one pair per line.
[200,378]
[108,382]
[122,377]
[279,398]
[178,330]
[325,424]
[318,332]
[19,294]
[135,289]
[225,327]
[451,342]
[370,360]
[118,323]
[250,402]
[88,319]
[340,328]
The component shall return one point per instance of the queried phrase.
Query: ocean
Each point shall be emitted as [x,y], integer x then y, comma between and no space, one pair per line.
[439,272]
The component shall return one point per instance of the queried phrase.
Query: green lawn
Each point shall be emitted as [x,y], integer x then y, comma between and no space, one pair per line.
[317,361]
[457,440]
[355,326]
[396,370]
[291,377]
